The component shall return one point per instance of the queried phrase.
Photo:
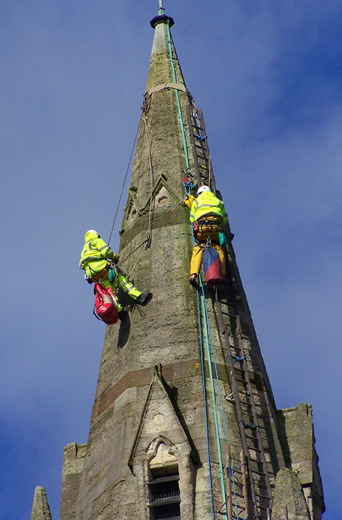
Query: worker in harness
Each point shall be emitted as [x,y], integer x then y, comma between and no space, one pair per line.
[208,215]
[100,264]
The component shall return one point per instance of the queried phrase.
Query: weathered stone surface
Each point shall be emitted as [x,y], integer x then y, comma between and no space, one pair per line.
[153,406]
[289,502]
[297,438]
[72,469]
[40,508]
[298,441]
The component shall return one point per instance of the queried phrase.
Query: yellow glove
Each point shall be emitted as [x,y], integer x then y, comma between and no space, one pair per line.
[189,200]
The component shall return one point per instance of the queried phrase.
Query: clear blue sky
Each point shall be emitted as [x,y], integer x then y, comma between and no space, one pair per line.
[268,77]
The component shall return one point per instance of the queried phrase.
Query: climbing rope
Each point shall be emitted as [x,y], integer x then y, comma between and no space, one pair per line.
[147,242]
[213,396]
[206,343]
[149,229]
[124,182]
[180,117]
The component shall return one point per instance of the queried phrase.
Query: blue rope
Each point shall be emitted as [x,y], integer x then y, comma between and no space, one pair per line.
[221,400]
[187,186]
[218,444]
[215,366]
[205,405]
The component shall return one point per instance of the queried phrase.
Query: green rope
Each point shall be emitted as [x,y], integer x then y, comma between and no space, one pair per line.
[202,297]
[206,336]
[180,117]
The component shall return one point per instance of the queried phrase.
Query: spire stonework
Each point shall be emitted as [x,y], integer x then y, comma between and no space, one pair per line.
[166,409]
[40,508]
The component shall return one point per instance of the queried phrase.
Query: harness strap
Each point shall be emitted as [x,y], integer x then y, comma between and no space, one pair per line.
[102,275]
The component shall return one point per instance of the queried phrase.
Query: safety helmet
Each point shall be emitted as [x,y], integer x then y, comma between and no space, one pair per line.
[202,189]
[91,231]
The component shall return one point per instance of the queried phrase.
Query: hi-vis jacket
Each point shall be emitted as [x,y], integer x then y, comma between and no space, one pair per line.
[206,205]
[95,254]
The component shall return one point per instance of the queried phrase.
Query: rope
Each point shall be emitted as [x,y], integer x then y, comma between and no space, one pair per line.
[205,405]
[123,185]
[218,443]
[149,231]
[180,117]
[221,400]
[211,355]
[187,189]
[146,242]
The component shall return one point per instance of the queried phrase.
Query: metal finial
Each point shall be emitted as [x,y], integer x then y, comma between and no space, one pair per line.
[161,9]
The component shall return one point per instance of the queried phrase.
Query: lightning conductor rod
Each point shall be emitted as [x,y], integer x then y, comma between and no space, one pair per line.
[161,8]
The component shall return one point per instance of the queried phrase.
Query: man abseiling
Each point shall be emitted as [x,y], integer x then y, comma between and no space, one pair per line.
[99,263]
[208,215]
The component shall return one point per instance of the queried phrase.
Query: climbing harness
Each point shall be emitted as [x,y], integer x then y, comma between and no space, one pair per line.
[208,228]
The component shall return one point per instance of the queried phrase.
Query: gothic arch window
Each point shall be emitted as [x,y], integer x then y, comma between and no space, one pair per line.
[163,481]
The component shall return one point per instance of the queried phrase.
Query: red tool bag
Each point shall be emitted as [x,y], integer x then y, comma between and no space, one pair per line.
[105,308]
[212,267]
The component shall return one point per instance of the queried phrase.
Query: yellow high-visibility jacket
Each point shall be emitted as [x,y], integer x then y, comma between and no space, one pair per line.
[207,204]
[95,254]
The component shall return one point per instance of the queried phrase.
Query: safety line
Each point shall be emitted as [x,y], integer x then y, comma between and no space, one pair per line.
[205,404]
[124,182]
[216,372]
[221,400]
[180,117]
[149,230]
[187,192]
[218,443]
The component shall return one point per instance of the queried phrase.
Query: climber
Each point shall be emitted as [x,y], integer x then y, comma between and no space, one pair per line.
[208,215]
[99,263]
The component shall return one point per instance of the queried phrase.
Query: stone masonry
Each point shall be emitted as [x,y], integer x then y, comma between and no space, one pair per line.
[159,421]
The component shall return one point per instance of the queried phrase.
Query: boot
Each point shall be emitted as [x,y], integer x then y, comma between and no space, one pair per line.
[144,298]
[192,279]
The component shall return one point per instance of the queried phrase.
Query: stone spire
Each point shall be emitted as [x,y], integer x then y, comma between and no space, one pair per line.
[182,381]
[40,508]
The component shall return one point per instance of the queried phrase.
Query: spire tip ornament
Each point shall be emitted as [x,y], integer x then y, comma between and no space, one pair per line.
[161,17]
[161,9]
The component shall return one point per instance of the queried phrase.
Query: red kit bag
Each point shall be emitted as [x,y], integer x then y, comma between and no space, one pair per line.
[105,304]
[211,266]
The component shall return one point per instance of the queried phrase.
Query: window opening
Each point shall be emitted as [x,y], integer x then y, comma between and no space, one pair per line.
[164,493]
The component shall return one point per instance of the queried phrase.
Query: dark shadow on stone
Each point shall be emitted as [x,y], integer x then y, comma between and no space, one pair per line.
[283,437]
[125,324]
[148,299]
[124,331]
[172,392]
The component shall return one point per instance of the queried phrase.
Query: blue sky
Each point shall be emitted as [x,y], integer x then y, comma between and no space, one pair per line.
[267,76]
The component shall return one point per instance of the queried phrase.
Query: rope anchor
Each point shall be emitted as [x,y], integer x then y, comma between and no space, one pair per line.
[148,241]
[238,359]
[251,426]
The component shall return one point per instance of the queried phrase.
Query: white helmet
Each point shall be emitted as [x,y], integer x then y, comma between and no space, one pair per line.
[91,231]
[202,189]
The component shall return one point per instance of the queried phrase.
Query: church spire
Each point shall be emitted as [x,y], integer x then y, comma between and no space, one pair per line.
[182,381]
